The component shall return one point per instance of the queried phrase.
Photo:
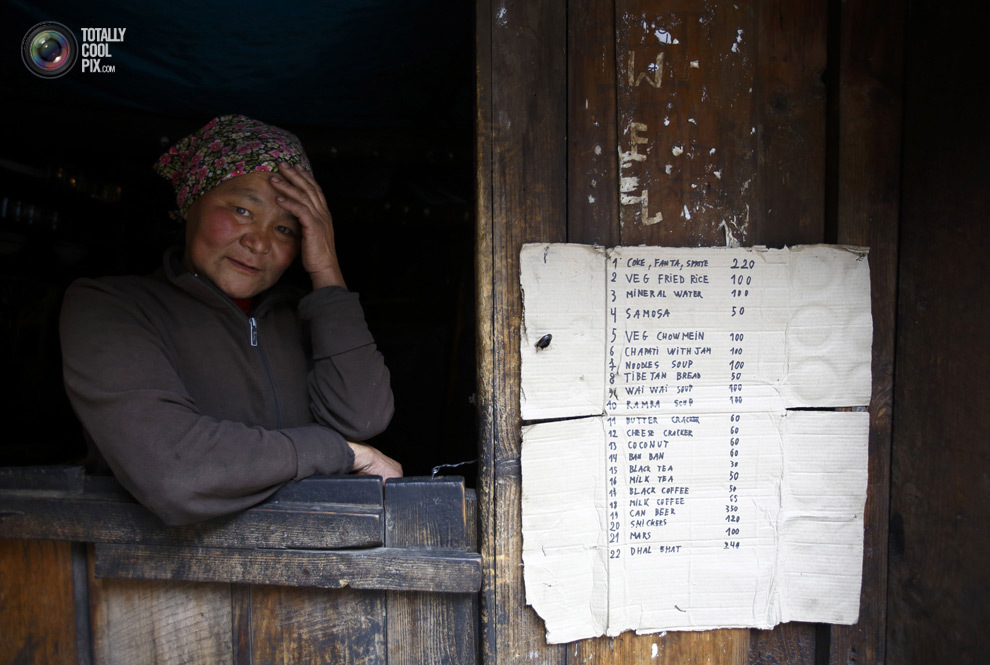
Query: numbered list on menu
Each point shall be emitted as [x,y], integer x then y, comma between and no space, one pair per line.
[692,448]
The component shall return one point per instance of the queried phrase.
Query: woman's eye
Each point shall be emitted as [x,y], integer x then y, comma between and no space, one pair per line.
[242,211]
[286,231]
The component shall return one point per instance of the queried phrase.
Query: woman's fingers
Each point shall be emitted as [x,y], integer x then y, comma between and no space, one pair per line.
[300,184]
[372,462]
[304,180]
[300,194]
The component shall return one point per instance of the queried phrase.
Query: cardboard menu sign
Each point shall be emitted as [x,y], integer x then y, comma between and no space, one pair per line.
[688,471]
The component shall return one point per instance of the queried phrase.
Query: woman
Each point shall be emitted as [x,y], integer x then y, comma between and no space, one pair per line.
[208,384]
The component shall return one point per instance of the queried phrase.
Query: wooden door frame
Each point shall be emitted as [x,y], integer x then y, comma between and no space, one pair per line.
[524,68]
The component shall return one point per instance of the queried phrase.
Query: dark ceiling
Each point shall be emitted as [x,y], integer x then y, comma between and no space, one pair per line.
[381,86]
[350,63]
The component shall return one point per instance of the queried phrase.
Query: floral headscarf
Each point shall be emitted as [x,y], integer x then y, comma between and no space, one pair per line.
[228,146]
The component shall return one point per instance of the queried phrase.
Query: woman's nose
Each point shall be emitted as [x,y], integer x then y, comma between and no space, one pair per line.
[257,240]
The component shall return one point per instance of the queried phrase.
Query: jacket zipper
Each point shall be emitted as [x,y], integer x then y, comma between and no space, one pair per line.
[253,338]
[253,329]
[254,341]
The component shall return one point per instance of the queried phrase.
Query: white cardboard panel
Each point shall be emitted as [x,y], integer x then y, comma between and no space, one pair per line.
[563,295]
[695,500]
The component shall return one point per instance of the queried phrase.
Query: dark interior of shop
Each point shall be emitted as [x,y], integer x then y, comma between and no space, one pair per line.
[381,95]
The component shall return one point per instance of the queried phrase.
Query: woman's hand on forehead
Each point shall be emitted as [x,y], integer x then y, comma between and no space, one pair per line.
[300,194]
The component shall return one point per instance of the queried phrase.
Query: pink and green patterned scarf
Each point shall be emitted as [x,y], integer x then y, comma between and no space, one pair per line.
[228,146]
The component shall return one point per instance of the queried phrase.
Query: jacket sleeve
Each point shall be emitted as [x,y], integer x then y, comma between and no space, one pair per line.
[349,383]
[182,465]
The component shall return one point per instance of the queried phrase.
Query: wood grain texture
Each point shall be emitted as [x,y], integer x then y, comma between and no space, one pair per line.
[791,57]
[592,159]
[37,617]
[341,489]
[64,478]
[240,624]
[700,648]
[686,122]
[939,581]
[316,626]
[426,513]
[526,120]
[471,513]
[869,163]
[396,568]
[429,628]
[58,515]
[137,622]
[787,644]
[81,554]
[484,295]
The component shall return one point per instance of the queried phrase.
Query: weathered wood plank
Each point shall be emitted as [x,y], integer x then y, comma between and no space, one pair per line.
[344,490]
[240,624]
[592,160]
[138,622]
[686,122]
[306,625]
[702,648]
[938,577]
[80,584]
[290,626]
[938,581]
[65,478]
[37,613]
[57,515]
[426,513]
[484,295]
[471,512]
[788,643]
[429,628]
[402,569]
[869,163]
[791,55]
[527,123]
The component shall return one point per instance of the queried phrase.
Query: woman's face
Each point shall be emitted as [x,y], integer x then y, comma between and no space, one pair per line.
[239,237]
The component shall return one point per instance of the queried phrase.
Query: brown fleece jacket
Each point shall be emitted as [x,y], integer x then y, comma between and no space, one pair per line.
[201,410]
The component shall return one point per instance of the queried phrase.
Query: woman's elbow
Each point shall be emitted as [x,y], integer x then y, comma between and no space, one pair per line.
[172,502]
[363,421]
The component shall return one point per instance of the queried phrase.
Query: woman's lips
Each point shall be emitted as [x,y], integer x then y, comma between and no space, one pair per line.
[243,266]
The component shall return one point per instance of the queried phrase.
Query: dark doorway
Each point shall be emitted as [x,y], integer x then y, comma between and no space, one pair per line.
[381,95]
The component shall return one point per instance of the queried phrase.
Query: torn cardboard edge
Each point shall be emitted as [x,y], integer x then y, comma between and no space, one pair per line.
[804,555]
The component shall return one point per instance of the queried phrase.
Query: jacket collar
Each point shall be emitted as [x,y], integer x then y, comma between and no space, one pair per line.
[203,289]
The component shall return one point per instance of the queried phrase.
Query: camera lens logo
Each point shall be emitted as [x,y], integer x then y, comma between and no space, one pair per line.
[49,50]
